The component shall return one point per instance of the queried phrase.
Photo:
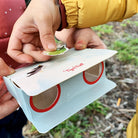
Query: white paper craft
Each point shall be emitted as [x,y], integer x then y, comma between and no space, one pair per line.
[52,91]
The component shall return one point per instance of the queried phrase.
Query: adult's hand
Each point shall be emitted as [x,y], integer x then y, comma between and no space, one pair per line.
[80,38]
[8,104]
[35,31]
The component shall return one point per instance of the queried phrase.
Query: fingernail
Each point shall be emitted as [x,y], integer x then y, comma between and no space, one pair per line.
[51,47]
[80,42]
[80,45]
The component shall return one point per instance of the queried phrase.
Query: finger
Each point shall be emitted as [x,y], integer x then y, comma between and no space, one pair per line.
[46,35]
[81,44]
[67,36]
[15,51]
[96,42]
[70,42]
[8,107]
[35,52]
[1,83]
[61,35]
[91,40]
[70,39]
[64,34]
[98,46]
[5,69]
[82,41]
[3,89]
[6,97]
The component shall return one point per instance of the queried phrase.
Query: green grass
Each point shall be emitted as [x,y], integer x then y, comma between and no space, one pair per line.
[103,29]
[125,43]
[128,22]
[77,125]
[97,107]
[70,128]
[33,129]
[127,51]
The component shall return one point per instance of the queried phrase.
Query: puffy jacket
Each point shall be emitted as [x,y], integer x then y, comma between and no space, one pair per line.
[88,13]
[132,129]
[10,10]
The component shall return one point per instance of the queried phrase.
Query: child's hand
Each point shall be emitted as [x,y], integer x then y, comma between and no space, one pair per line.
[8,104]
[35,29]
[80,38]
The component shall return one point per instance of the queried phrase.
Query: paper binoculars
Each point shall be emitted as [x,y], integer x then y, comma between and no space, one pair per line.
[52,91]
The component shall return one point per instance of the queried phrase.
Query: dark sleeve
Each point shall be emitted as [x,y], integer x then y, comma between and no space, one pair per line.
[64,23]
[27,2]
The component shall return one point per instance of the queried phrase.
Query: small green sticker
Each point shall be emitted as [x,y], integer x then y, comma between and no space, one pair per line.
[61,49]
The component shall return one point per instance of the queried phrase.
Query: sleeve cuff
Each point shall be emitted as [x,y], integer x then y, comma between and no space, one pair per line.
[63,16]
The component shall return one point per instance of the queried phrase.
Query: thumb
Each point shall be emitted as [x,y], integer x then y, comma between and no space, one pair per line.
[5,69]
[46,35]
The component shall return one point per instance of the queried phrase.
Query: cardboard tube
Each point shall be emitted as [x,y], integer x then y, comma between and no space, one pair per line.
[45,100]
[93,74]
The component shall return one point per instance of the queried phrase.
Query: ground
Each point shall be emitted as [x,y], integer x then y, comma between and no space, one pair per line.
[104,119]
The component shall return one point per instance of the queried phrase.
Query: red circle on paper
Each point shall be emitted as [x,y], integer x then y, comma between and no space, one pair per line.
[48,108]
[93,82]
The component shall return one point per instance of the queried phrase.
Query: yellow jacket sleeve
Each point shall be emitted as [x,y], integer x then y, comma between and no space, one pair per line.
[88,13]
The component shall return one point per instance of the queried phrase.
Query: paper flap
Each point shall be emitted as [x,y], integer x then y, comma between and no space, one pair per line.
[42,76]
